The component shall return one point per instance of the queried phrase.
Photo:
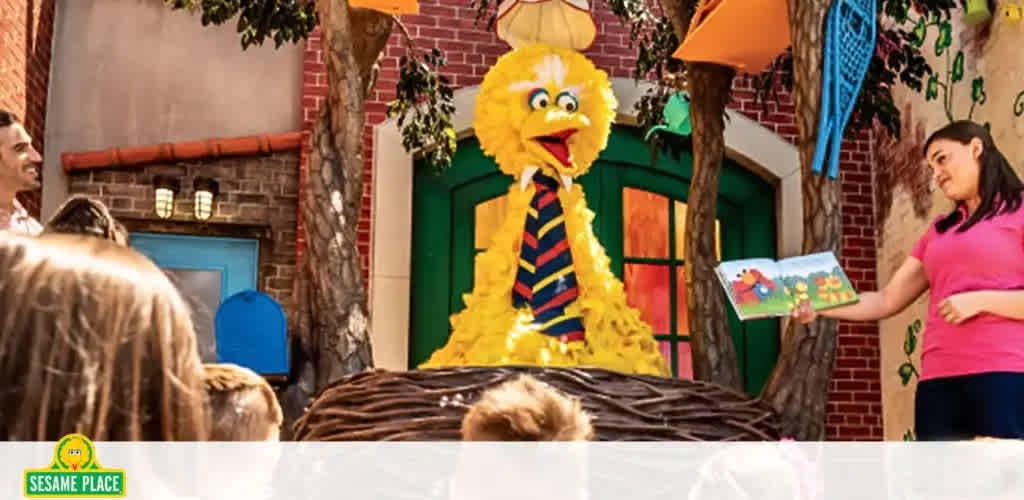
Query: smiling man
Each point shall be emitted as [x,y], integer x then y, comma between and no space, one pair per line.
[19,171]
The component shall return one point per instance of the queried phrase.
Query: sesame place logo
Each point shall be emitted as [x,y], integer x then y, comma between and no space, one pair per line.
[74,473]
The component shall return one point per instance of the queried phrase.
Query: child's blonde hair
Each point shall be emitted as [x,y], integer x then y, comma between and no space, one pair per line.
[526,409]
[243,407]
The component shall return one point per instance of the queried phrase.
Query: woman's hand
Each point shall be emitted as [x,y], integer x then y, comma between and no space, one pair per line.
[803,313]
[961,307]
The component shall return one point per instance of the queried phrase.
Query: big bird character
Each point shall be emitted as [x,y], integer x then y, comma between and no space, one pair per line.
[544,293]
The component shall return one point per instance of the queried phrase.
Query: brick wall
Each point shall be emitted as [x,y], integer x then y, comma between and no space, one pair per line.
[854,410]
[26,31]
[256,190]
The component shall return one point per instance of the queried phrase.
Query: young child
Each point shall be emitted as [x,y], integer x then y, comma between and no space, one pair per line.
[243,407]
[523,409]
[526,409]
[83,215]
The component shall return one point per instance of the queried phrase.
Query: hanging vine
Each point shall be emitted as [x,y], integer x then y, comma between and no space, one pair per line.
[954,73]
[907,370]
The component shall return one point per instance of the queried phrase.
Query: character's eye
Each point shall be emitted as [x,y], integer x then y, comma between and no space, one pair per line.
[539,99]
[568,101]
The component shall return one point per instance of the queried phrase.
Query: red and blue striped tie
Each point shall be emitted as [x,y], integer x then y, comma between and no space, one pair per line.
[545,279]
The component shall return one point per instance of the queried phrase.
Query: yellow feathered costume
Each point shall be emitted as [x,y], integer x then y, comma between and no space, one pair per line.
[546,112]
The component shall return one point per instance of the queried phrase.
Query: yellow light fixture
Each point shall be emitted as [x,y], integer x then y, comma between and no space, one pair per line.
[562,23]
[1011,12]
[745,35]
[206,190]
[393,7]
[165,189]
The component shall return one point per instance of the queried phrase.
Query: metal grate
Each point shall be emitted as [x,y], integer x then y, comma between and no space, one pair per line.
[850,36]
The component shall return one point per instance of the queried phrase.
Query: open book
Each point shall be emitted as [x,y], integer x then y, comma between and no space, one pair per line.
[763,288]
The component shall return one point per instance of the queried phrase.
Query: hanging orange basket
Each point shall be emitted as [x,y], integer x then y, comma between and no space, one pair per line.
[744,34]
[394,7]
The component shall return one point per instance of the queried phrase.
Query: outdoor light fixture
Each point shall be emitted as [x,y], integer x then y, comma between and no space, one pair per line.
[166,188]
[206,189]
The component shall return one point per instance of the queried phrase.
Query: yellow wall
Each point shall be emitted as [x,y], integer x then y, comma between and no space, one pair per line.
[906,198]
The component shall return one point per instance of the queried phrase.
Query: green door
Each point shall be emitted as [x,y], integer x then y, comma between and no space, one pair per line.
[640,219]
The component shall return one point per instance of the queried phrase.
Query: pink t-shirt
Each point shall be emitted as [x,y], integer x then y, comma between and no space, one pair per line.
[988,256]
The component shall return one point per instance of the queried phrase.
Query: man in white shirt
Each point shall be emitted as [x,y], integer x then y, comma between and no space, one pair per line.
[19,171]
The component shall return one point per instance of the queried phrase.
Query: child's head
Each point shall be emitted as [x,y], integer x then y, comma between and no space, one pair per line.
[242,405]
[94,339]
[526,409]
[739,472]
[523,409]
[83,215]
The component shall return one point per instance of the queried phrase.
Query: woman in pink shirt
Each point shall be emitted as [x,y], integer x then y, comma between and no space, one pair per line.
[972,262]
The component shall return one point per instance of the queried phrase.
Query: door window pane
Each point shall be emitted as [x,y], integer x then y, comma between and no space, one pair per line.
[684,363]
[654,246]
[647,289]
[645,223]
[201,290]
[682,312]
[488,218]
[680,236]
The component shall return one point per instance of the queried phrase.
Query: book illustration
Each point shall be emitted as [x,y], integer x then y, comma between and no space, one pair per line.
[761,288]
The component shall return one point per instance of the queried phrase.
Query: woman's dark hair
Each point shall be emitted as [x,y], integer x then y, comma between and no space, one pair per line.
[998,185]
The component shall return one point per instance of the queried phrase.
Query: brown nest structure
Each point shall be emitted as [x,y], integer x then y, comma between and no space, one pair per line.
[428,405]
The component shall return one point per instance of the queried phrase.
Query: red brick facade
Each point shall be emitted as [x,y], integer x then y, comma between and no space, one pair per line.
[258,199]
[855,408]
[27,30]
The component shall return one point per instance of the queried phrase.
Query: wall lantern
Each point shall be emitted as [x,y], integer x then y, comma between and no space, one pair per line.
[1012,12]
[166,188]
[206,190]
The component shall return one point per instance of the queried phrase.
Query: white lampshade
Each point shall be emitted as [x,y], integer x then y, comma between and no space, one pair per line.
[204,205]
[205,190]
[164,203]
[562,23]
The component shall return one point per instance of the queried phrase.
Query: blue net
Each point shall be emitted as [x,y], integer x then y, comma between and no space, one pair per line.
[850,36]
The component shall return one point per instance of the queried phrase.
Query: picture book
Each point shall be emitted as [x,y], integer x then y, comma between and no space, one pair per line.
[763,288]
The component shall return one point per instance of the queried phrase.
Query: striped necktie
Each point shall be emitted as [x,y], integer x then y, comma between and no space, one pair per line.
[545,279]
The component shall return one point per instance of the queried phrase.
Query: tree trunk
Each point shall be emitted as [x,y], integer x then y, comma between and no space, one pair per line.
[713,352]
[714,357]
[798,387]
[336,339]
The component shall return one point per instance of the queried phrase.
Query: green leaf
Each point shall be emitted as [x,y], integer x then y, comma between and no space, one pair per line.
[932,91]
[906,371]
[958,67]
[910,343]
[978,90]
[920,31]
[917,326]
[945,38]
[909,435]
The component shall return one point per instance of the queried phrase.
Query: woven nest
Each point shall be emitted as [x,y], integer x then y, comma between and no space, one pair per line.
[418,406]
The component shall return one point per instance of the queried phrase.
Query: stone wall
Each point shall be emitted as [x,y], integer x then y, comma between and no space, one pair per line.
[258,197]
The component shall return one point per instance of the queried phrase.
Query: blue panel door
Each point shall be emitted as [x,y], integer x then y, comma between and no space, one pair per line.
[236,259]
[206,270]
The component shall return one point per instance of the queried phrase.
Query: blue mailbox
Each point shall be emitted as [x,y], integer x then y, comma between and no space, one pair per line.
[252,332]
